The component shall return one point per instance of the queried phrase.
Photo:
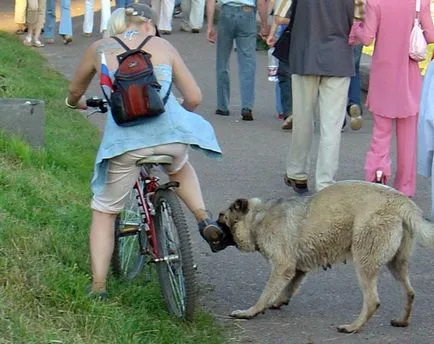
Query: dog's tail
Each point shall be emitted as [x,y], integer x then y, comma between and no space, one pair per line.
[422,228]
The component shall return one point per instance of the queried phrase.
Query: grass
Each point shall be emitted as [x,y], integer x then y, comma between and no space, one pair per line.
[44,220]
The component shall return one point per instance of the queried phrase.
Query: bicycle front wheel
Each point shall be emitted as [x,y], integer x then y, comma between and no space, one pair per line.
[128,260]
[175,269]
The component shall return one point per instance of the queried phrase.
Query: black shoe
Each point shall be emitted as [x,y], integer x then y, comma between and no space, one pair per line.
[222,112]
[213,234]
[299,186]
[246,114]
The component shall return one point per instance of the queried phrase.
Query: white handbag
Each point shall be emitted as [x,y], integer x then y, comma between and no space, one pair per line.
[418,44]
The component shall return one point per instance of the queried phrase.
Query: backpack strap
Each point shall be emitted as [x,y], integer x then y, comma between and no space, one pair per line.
[166,97]
[117,39]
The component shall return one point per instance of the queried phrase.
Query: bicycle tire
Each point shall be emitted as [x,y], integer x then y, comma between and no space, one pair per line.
[127,260]
[177,277]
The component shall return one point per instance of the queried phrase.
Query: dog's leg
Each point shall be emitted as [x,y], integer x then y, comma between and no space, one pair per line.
[275,286]
[368,283]
[287,293]
[399,269]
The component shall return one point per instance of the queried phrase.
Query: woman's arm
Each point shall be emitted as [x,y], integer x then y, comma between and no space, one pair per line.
[365,31]
[82,77]
[426,22]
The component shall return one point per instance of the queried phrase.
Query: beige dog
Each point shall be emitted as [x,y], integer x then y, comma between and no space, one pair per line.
[367,223]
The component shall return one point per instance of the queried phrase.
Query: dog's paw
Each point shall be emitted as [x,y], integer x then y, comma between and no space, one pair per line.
[278,305]
[398,323]
[243,314]
[347,329]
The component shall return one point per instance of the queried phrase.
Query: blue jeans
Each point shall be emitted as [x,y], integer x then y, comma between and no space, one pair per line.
[123,3]
[65,25]
[354,90]
[236,23]
[283,87]
[178,3]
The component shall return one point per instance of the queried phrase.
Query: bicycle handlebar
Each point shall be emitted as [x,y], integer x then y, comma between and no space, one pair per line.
[97,102]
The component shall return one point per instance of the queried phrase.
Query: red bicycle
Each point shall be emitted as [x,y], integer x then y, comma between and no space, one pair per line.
[152,230]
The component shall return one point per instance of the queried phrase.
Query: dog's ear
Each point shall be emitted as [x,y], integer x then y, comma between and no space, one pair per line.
[241,205]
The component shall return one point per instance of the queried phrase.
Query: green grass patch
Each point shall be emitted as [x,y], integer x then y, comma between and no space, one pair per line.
[44,220]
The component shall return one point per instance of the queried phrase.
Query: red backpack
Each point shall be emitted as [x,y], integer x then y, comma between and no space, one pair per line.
[135,92]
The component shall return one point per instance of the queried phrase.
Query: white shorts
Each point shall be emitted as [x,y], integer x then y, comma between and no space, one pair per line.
[122,172]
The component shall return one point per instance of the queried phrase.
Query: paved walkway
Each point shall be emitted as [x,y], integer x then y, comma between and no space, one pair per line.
[253,165]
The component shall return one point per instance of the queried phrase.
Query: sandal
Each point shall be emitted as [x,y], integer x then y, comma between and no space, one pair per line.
[66,39]
[49,41]
[38,44]
[28,41]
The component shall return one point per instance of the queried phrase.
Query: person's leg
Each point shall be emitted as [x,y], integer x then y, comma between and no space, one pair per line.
[31,20]
[285,93]
[65,26]
[50,21]
[333,93]
[39,23]
[378,155]
[406,142]
[101,243]
[105,15]
[305,95]
[156,6]
[20,13]
[196,15]
[88,17]
[166,15]
[245,39]
[224,44]
[120,4]
[354,108]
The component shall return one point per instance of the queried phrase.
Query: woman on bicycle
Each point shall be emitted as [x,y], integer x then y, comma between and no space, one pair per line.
[171,133]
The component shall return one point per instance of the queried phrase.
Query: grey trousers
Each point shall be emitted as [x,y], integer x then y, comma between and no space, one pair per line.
[329,95]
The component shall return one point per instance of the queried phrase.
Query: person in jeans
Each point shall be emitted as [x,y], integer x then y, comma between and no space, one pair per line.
[65,25]
[123,3]
[172,133]
[354,107]
[236,22]
[321,63]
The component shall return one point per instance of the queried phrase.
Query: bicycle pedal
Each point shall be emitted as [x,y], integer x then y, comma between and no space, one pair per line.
[130,230]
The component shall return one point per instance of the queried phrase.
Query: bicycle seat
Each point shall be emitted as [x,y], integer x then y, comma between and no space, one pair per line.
[155,160]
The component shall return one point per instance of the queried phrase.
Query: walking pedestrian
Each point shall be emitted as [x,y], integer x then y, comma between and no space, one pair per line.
[236,22]
[89,14]
[394,87]
[321,64]
[65,25]
[35,19]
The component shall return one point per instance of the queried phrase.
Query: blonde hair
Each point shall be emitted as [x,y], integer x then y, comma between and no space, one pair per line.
[121,18]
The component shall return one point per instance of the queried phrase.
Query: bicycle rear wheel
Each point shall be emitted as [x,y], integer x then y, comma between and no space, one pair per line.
[128,260]
[176,270]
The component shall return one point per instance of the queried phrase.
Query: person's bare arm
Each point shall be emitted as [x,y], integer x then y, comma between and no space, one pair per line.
[185,83]
[82,77]
[263,16]
[210,12]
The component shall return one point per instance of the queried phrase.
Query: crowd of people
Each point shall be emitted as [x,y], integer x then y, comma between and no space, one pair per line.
[34,17]
[319,79]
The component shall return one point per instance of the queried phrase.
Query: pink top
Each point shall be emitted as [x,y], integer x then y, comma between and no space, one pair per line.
[395,81]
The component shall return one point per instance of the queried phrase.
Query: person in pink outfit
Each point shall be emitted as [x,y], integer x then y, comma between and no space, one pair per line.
[394,87]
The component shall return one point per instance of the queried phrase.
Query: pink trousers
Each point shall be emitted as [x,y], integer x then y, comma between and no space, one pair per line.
[378,156]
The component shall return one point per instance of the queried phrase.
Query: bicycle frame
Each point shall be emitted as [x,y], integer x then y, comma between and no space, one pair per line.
[145,199]
[147,209]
